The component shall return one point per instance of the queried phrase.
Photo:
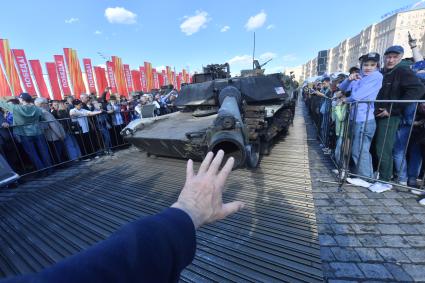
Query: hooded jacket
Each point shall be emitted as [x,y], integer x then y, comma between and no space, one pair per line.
[25,118]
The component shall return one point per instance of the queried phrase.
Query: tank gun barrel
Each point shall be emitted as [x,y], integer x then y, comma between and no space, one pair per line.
[228,131]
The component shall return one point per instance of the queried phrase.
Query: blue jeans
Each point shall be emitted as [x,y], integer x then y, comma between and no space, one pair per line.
[72,147]
[410,169]
[337,154]
[37,149]
[106,137]
[362,138]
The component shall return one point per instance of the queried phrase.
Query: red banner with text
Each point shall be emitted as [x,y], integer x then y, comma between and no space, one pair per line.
[91,82]
[143,79]
[24,71]
[111,77]
[53,78]
[136,80]
[128,78]
[61,73]
[39,79]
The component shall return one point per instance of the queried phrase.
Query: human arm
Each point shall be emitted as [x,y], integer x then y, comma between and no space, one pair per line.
[155,248]
[367,88]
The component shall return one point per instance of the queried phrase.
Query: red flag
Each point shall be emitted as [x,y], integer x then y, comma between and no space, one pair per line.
[155,79]
[111,77]
[39,79]
[164,75]
[53,77]
[63,78]
[136,80]
[4,86]
[74,71]
[101,80]
[161,79]
[179,81]
[143,79]
[128,78]
[89,75]
[24,71]
[9,67]
[149,76]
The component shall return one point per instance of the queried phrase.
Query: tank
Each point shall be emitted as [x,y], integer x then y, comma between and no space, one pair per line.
[240,115]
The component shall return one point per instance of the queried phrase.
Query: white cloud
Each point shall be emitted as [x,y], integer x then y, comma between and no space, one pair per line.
[256,21]
[98,32]
[241,60]
[225,28]
[194,23]
[289,57]
[120,15]
[71,20]
[270,27]
[268,55]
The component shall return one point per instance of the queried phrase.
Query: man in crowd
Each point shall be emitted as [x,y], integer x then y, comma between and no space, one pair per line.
[325,106]
[155,248]
[79,116]
[53,130]
[399,83]
[26,122]
[61,113]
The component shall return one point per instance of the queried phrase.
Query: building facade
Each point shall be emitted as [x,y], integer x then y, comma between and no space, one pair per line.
[376,37]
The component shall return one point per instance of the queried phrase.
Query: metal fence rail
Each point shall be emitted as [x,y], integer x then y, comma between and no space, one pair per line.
[40,147]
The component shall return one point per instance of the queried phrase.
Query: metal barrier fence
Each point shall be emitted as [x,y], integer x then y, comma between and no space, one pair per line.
[40,147]
[365,141]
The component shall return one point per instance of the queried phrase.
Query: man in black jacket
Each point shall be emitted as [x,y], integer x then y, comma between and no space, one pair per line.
[155,248]
[399,83]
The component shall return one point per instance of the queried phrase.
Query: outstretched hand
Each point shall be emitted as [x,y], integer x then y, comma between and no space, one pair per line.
[201,196]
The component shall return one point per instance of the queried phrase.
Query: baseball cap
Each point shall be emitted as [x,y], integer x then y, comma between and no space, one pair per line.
[25,97]
[394,49]
[372,56]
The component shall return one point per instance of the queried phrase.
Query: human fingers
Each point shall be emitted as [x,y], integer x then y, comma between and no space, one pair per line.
[229,208]
[206,163]
[189,169]
[215,164]
[225,171]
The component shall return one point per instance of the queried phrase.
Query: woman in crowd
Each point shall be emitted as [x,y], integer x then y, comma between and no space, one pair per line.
[363,86]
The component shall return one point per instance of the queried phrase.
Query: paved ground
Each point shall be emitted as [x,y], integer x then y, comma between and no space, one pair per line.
[365,236]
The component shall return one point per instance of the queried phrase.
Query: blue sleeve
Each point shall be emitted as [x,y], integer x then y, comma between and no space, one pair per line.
[152,249]
[367,88]
[344,86]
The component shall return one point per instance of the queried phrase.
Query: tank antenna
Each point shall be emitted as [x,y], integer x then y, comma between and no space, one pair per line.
[253,54]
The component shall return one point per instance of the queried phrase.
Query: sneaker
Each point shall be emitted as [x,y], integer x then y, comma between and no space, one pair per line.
[422,201]
[335,171]
[403,183]
[417,192]
[380,187]
[359,182]
[96,157]
[86,159]
[327,152]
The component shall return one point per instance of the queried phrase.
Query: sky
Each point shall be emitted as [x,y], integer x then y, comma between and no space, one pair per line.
[188,34]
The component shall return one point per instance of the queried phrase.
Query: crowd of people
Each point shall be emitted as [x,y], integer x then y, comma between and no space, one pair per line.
[372,119]
[37,134]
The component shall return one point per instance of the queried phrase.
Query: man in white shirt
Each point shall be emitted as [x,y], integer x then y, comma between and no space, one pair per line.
[79,117]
